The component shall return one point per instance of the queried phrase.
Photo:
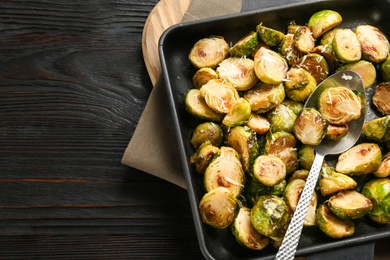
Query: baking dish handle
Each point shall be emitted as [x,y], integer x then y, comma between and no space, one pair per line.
[361,251]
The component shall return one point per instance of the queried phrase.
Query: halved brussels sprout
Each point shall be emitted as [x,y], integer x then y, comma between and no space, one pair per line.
[332,182]
[282,145]
[225,171]
[254,189]
[365,69]
[328,53]
[218,208]
[304,40]
[385,69]
[301,174]
[336,132]
[203,156]
[269,36]
[197,106]
[264,97]
[207,131]
[327,38]
[292,28]
[244,141]
[282,117]
[258,123]
[288,50]
[374,43]
[269,215]
[299,84]
[269,170]
[349,204]
[209,52]
[306,154]
[315,64]
[339,105]
[384,168]
[378,129]
[245,46]
[270,67]
[381,98]
[245,233]
[346,46]
[361,159]
[219,95]
[331,225]
[310,127]
[378,191]
[239,72]
[202,76]
[322,21]
[239,114]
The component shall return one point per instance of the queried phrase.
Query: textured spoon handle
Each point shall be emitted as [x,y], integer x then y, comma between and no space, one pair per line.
[294,230]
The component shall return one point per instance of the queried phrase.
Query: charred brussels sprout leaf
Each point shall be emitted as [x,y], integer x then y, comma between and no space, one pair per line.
[374,43]
[197,106]
[218,208]
[384,168]
[245,233]
[288,50]
[207,131]
[315,64]
[336,132]
[209,52]
[381,98]
[239,114]
[269,36]
[219,95]
[346,46]
[332,182]
[239,72]
[269,215]
[323,21]
[365,69]
[303,40]
[349,204]
[283,116]
[202,76]
[225,171]
[339,105]
[203,156]
[378,191]
[299,84]
[258,123]
[270,67]
[306,156]
[245,46]
[378,129]
[310,127]
[264,97]
[269,170]
[361,159]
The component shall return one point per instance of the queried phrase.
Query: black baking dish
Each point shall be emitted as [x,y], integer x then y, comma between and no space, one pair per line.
[174,47]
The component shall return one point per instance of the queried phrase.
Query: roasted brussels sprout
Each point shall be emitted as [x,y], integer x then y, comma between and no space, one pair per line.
[331,225]
[346,46]
[378,190]
[374,43]
[339,105]
[264,97]
[349,204]
[384,168]
[310,127]
[258,123]
[299,84]
[239,114]
[301,174]
[244,141]
[361,159]
[315,64]
[283,116]
[381,98]
[385,69]
[365,69]
[239,72]
[282,145]
[292,28]
[378,129]
[304,40]
[270,67]
[219,95]
[328,53]
[306,154]
[322,21]
[218,208]
[202,76]
[245,46]
[225,171]
[332,182]
[254,189]
[197,106]
[245,233]
[327,38]
[207,131]
[288,50]
[203,156]
[269,215]
[269,36]
[269,170]
[209,52]
[336,132]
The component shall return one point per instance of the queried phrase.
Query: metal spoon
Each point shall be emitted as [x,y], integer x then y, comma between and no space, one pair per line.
[350,80]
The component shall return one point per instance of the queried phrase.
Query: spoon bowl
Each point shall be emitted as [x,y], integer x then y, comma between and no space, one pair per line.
[352,81]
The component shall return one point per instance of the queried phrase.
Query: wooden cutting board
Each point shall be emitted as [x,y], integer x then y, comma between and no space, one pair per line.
[165,14]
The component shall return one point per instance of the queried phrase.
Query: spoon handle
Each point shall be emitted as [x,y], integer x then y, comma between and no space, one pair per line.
[294,230]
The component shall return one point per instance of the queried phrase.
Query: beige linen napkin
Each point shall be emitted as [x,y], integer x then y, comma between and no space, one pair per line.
[156,152]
